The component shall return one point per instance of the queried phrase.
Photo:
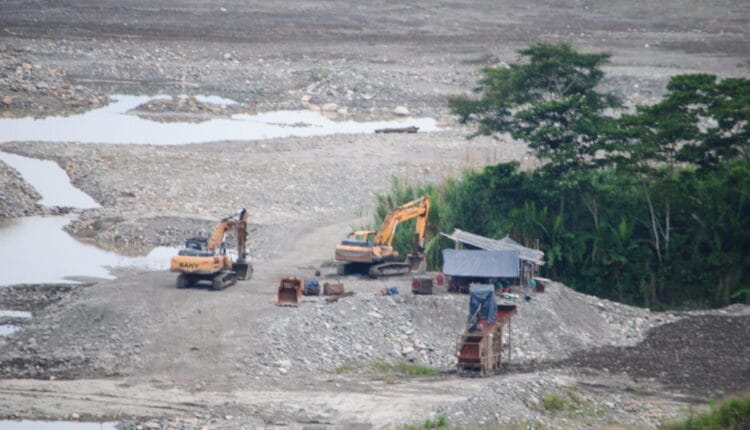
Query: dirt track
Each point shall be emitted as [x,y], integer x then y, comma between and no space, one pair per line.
[136,347]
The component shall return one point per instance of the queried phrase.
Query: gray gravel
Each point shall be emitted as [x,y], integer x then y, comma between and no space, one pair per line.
[28,88]
[353,332]
[17,197]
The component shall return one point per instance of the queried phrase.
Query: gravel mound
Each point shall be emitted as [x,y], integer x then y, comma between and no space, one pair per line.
[698,356]
[560,321]
[704,354]
[355,331]
[17,198]
[188,109]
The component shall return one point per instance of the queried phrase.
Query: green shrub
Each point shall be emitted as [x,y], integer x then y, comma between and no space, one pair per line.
[384,368]
[343,368]
[554,402]
[731,414]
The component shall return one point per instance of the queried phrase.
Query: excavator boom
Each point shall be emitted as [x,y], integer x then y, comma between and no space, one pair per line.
[378,257]
[418,209]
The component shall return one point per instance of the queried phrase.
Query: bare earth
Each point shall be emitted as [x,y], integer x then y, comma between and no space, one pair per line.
[138,350]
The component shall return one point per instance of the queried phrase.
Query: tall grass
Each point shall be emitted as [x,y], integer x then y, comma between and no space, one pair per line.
[439,220]
[731,414]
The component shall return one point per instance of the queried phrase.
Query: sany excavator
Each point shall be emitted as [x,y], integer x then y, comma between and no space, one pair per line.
[207,259]
[372,252]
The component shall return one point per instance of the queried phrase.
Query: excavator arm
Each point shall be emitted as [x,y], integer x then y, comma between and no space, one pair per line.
[237,221]
[418,208]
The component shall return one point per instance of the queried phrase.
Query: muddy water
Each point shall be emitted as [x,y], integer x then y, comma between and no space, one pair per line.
[54,425]
[50,181]
[15,314]
[112,124]
[8,329]
[37,250]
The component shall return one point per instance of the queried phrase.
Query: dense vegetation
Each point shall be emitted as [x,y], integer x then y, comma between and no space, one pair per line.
[649,206]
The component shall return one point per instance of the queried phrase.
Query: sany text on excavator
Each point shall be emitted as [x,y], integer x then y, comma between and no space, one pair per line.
[208,259]
[372,252]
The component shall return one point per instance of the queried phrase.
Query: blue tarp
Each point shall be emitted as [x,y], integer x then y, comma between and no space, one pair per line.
[481,264]
[312,287]
[482,298]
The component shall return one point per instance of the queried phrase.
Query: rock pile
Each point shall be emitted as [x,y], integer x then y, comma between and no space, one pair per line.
[188,109]
[560,321]
[320,337]
[17,197]
[355,331]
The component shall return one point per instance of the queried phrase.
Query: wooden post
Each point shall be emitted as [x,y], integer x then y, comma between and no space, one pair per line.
[510,340]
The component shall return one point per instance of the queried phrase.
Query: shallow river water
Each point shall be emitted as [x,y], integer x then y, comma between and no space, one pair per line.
[112,124]
[54,425]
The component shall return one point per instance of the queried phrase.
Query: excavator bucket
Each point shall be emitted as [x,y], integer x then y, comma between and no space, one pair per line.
[243,269]
[416,262]
[290,292]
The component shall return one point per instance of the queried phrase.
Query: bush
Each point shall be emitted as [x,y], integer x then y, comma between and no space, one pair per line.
[553,402]
[731,414]
[387,368]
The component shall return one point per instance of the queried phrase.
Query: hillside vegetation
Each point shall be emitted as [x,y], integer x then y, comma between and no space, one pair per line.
[648,205]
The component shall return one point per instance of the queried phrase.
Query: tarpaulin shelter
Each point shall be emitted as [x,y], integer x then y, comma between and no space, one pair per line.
[482,264]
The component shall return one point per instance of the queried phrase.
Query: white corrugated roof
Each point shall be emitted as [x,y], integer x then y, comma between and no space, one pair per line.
[527,254]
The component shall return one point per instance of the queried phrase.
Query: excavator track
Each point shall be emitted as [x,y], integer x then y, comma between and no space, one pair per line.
[389,269]
[184,280]
[223,279]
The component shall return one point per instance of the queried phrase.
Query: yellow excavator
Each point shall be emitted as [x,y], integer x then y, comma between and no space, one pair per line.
[207,259]
[371,252]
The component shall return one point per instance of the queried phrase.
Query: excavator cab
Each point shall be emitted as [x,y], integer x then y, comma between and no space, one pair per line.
[197,243]
[363,236]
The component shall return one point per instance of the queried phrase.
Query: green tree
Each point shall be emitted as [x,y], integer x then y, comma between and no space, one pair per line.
[548,100]
[648,207]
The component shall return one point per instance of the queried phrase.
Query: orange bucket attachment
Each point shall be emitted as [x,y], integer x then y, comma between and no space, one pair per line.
[289,292]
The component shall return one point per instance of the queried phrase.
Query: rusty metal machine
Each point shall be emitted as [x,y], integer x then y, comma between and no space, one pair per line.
[333,289]
[421,286]
[480,348]
[289,292]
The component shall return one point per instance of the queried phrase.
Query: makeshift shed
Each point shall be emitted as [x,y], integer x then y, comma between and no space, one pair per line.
[465,267]
[527,260]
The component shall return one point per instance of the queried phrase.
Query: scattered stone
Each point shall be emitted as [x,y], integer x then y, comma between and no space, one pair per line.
[329,107]
[401,111]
